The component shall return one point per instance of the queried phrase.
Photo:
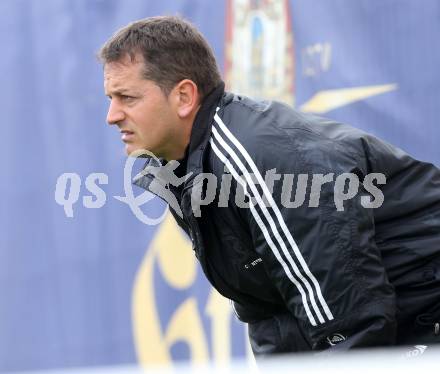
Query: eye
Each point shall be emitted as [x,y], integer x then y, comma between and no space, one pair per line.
[127,98]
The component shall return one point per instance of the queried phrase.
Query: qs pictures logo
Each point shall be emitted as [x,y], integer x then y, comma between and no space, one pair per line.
[157,327]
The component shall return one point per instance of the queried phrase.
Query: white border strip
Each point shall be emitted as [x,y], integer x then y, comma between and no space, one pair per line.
[275,208]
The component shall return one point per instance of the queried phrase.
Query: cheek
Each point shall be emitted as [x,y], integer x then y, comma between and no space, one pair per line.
[149,126]
[153,121]
[144,119]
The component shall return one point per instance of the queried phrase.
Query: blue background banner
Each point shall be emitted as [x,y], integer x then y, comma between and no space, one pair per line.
[100,287]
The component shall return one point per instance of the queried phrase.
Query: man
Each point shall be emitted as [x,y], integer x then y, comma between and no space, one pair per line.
[333,269]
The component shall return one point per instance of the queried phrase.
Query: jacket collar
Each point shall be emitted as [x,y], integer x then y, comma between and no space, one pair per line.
[200,134]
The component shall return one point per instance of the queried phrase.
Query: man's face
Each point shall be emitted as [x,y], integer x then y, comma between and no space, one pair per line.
[139,108]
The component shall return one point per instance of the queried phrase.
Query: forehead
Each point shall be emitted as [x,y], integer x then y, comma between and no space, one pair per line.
[122,73]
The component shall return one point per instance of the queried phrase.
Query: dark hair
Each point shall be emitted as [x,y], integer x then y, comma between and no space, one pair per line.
[172,48]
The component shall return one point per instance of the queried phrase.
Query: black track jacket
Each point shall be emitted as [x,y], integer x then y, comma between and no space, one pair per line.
[312,276]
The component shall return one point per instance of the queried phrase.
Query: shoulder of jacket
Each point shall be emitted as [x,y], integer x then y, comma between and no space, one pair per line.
[249,119]
[268,129]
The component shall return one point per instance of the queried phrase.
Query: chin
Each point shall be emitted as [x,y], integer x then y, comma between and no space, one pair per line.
[137,151]
[129,149]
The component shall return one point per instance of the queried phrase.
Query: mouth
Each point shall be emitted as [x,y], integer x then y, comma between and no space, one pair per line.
[126,135]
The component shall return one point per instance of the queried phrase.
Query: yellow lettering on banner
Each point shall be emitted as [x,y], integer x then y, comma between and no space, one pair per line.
[219,311]
[186,326]
[178,266]
[175,255]
[327,100]
[149,345]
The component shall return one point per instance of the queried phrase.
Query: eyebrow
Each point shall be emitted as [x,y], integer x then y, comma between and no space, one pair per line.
[119,92]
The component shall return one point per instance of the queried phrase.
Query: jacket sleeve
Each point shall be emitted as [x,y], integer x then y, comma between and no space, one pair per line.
[323,260]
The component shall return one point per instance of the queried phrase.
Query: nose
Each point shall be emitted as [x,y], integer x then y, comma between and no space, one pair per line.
[115,113]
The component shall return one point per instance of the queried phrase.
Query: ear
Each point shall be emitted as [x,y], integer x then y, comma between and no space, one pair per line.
[186,96]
